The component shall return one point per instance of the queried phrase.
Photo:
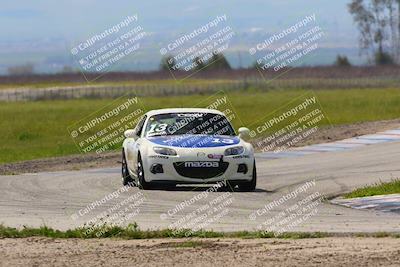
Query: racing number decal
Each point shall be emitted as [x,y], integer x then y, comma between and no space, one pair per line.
[223,140]
[158,128]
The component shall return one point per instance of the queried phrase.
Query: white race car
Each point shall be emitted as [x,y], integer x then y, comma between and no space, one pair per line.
[187,146]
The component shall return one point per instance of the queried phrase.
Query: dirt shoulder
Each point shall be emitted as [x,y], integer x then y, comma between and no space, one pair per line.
[67,163]
[335,251]
[111,159]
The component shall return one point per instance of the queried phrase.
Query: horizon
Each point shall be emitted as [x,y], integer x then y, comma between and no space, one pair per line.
[48,49]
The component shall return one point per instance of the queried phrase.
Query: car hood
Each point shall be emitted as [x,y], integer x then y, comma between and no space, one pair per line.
[195,141]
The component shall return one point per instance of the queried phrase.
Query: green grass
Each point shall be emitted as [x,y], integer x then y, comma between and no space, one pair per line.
[133,232]
[31,130]
[189,244]
[381,188]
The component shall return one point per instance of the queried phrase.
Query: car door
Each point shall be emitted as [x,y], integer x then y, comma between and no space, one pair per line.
[134,145]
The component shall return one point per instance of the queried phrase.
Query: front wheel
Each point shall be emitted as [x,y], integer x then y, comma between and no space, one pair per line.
[250,185]
[126,177]
[140,173]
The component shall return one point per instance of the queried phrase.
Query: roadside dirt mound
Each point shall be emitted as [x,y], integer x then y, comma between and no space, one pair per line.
[335,251]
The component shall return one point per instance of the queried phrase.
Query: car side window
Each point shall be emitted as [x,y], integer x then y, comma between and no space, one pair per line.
[139,127]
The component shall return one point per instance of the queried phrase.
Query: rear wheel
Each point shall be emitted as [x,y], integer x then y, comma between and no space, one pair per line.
[140,173]
[250,185]
[126,177]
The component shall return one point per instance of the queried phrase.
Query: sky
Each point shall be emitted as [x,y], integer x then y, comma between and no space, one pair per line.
[44,30]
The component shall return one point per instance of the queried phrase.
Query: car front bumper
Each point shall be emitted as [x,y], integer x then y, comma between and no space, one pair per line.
[199,170]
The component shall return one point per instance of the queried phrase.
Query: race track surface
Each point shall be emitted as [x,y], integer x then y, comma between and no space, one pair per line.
[57,199]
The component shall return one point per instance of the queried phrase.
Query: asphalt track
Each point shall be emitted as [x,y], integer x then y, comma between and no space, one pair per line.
[58,199]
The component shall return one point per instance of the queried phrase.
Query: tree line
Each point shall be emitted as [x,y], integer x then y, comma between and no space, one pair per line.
[216,62]
[378,22]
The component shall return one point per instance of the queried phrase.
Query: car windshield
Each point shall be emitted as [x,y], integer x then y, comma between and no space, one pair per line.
[188,123]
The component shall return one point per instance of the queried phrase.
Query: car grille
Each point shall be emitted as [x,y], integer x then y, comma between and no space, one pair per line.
[201,169]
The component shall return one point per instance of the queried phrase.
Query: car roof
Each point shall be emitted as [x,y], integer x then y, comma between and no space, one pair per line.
[182,110]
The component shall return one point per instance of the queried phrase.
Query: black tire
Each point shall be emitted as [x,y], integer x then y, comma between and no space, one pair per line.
[126,177]
[229,187]
[250,185]
[140,174]
[168,186]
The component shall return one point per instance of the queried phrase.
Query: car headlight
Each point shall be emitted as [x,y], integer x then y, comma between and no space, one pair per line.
[237,150]
[164,151]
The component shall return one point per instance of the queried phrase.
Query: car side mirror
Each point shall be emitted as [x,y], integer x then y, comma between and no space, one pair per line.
[244,132]
[130,134]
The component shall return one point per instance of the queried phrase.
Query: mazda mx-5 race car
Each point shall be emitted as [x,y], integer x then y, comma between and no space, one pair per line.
[187,146]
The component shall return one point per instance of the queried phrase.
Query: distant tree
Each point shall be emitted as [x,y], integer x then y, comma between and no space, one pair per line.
[215,62]
[256,65]
[67,69]
[198,63]
[342,61]
[383,58]
[378,22]
[21,70]
[168,63]
[218,62]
